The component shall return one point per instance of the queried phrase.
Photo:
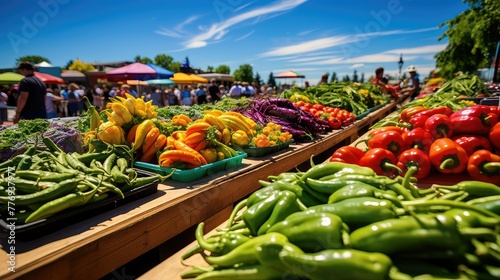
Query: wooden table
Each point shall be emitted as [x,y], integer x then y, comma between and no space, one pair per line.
[95,247]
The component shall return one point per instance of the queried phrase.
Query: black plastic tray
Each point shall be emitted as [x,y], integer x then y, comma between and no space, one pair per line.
[260,152]
[68,217]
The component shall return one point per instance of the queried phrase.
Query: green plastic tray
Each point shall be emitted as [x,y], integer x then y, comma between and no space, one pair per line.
[260,152]
[195,173]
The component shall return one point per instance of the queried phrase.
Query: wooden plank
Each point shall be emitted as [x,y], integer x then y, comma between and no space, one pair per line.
[93,248]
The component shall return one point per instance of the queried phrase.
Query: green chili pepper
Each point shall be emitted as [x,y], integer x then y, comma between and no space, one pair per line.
[51,145]
[439,204]
[122,164]
[24,164]
[110,162]
[409,235]
[119,177]
[262,215]
[13,161]
[30,151]
[314,231]
[224,243]
[339,265]
[88,157]
[329,168]
[360,189]
[360,211]
[474,188]
[271,187]
[467,219]
[61,158]
[244,272]
[98,197]
[493,206]
[45,175]
[247,252]
[60,204]
[27,186]
[45,195]
[331,186]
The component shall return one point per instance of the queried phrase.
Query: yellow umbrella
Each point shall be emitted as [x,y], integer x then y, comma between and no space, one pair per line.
[182,78]
[199,79]
[137,83]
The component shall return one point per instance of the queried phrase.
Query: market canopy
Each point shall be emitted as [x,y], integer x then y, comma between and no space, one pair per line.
[217,77]
[49,79]
[289,75]
[43,64]
[183,78]
[139,71]
[73,76]
[10,78]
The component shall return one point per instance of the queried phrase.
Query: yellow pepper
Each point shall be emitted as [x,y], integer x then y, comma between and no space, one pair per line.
[122,111]
[111,133]
[141,132]
[209,154]
[240,138]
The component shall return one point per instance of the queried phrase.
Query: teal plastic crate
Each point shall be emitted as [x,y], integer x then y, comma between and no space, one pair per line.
[195,173]
[260,152]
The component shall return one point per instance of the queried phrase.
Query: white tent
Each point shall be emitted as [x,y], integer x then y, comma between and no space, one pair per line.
[44,64]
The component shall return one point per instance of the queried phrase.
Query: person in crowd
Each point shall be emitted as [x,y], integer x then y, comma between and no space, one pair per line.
[412,84]
[177,92]
[324,79]
[247,90]
[50,105]
[98,97]
[223,91]
[105,96]
[114,92]
[31,101]
[132,92]
[213,90]
[3,105]
[192,91]
[82,93]
[306,84]
[156,96]
[186,96]
[13,94]
[256,88]
[201,94]
[235,90]
[125,89]
[382,82]
[73,100]
[172,98]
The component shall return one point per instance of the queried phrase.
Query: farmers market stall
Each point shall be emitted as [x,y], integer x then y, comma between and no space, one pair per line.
[94,247]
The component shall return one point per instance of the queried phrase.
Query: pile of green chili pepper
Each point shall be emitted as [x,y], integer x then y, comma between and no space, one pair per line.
[343,221]
[43,183]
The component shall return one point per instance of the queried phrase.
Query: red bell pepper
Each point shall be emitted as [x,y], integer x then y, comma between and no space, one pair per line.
[418,121]
[447,156]
[494,136]
[347,154]
[484,166]
[382,161]
[439,126]
[376,131]
[495,110]
[472,143]
[417,158]
[389,140]
[473,120]
[438,110]
[418,138]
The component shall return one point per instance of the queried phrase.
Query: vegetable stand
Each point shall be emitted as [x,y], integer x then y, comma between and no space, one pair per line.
[93,248]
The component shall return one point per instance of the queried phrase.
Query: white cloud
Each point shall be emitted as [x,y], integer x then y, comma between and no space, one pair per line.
[178,30]
[196,44]
[221,28]
[357,65]
[306,32]
[420,50]
[245,36]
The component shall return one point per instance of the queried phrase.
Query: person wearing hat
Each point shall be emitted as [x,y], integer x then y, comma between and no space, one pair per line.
[412,84]
[31,100]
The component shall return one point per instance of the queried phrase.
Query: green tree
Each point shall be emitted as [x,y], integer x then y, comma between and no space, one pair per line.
[333,79]
[164,61]
[175,67]
[257,79]
[68,64]
[244,73]
[346,78]
[355,77]
[210,69]
[35,59]
[223,69]
[81,66]
[271,81]
[362,79]
[140,59]
[472,38]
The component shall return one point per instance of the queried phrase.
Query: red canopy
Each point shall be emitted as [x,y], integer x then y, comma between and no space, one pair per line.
[289,75]
[49,79]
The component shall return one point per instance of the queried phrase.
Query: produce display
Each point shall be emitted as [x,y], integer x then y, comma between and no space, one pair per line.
[44,183]
[343,221]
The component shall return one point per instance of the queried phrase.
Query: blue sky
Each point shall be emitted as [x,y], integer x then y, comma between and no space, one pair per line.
[311,37]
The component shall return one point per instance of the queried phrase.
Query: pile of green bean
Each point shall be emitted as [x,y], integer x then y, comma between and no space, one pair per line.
[342,221]
[38,184]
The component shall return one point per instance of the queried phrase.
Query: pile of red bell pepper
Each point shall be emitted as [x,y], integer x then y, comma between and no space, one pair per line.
[439,139]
